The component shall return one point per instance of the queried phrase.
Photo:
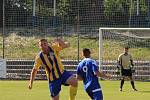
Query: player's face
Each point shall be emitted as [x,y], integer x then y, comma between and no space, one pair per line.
[43,46]
[126,50]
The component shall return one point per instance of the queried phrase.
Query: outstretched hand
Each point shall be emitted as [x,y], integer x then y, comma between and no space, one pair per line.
[30,86]
[109,76]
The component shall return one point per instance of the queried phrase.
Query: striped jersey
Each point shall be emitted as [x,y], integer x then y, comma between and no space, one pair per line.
[51,62]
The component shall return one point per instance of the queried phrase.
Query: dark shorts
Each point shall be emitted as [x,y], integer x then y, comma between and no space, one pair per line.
[126,72]
[55,86]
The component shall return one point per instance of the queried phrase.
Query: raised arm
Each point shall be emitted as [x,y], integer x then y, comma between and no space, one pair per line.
[62,43]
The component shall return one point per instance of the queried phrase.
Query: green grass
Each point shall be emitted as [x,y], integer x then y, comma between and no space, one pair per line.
[17,90]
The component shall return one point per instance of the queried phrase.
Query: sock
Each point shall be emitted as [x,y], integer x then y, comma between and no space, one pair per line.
[132,83]
[122,82]
[73,92]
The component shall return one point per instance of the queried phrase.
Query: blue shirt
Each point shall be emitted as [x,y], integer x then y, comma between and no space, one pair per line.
[86,70]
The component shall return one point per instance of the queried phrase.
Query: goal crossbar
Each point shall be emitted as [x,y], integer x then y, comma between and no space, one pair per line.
[106,28]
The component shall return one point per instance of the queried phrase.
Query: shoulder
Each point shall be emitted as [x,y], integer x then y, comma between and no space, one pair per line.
[38,56]
[82,61]
[89,61]
[129,55]
[121,54]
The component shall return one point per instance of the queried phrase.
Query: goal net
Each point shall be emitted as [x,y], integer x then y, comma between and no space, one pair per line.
[112,42]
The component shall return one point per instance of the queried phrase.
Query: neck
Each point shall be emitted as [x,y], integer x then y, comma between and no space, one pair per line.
[45,51]
[87,57]
[126,53]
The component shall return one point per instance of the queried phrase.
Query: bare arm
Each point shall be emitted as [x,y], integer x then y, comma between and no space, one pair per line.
[62,43]
[79,78]
[101,74]
[33,74]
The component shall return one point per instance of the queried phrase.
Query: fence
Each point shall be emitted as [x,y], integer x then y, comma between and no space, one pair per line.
[21,69]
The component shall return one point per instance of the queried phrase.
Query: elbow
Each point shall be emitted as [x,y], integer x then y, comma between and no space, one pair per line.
[79,78]
[99,74]
[66,45]
[34,71]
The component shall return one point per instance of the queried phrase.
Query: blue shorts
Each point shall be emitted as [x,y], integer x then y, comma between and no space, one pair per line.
[55,86]
[94,91]
[95,95]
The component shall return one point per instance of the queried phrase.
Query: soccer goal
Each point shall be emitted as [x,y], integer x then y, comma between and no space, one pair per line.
[112,42]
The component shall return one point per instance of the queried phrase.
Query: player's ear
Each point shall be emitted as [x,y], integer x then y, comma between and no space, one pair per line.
[81,53]
[38,44]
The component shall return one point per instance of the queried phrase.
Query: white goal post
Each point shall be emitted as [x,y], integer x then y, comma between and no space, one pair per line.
[126,32]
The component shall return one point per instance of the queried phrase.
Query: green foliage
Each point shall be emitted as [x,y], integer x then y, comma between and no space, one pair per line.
[19,46]
[63,6]
[123,9]
[119,8]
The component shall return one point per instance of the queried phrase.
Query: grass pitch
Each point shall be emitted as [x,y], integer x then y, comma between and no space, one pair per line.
[17,90]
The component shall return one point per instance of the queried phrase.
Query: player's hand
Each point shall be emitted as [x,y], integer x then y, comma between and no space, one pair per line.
[59,39]
[108,76]
[133,70]
[118,72]
[30,86]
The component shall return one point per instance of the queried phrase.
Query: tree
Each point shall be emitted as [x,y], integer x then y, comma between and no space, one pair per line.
[17,13]
[120,11]
[116,10]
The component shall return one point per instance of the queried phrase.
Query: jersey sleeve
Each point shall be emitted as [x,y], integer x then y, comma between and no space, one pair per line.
[95,66]
[119,58]
[131,58]
[56,47]
[37,62]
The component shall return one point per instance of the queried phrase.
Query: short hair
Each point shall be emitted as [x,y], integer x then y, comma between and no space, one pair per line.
[86,52]
[126,47]
[43,40]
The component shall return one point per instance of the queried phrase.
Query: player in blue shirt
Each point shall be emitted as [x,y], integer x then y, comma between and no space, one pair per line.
[87,71]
